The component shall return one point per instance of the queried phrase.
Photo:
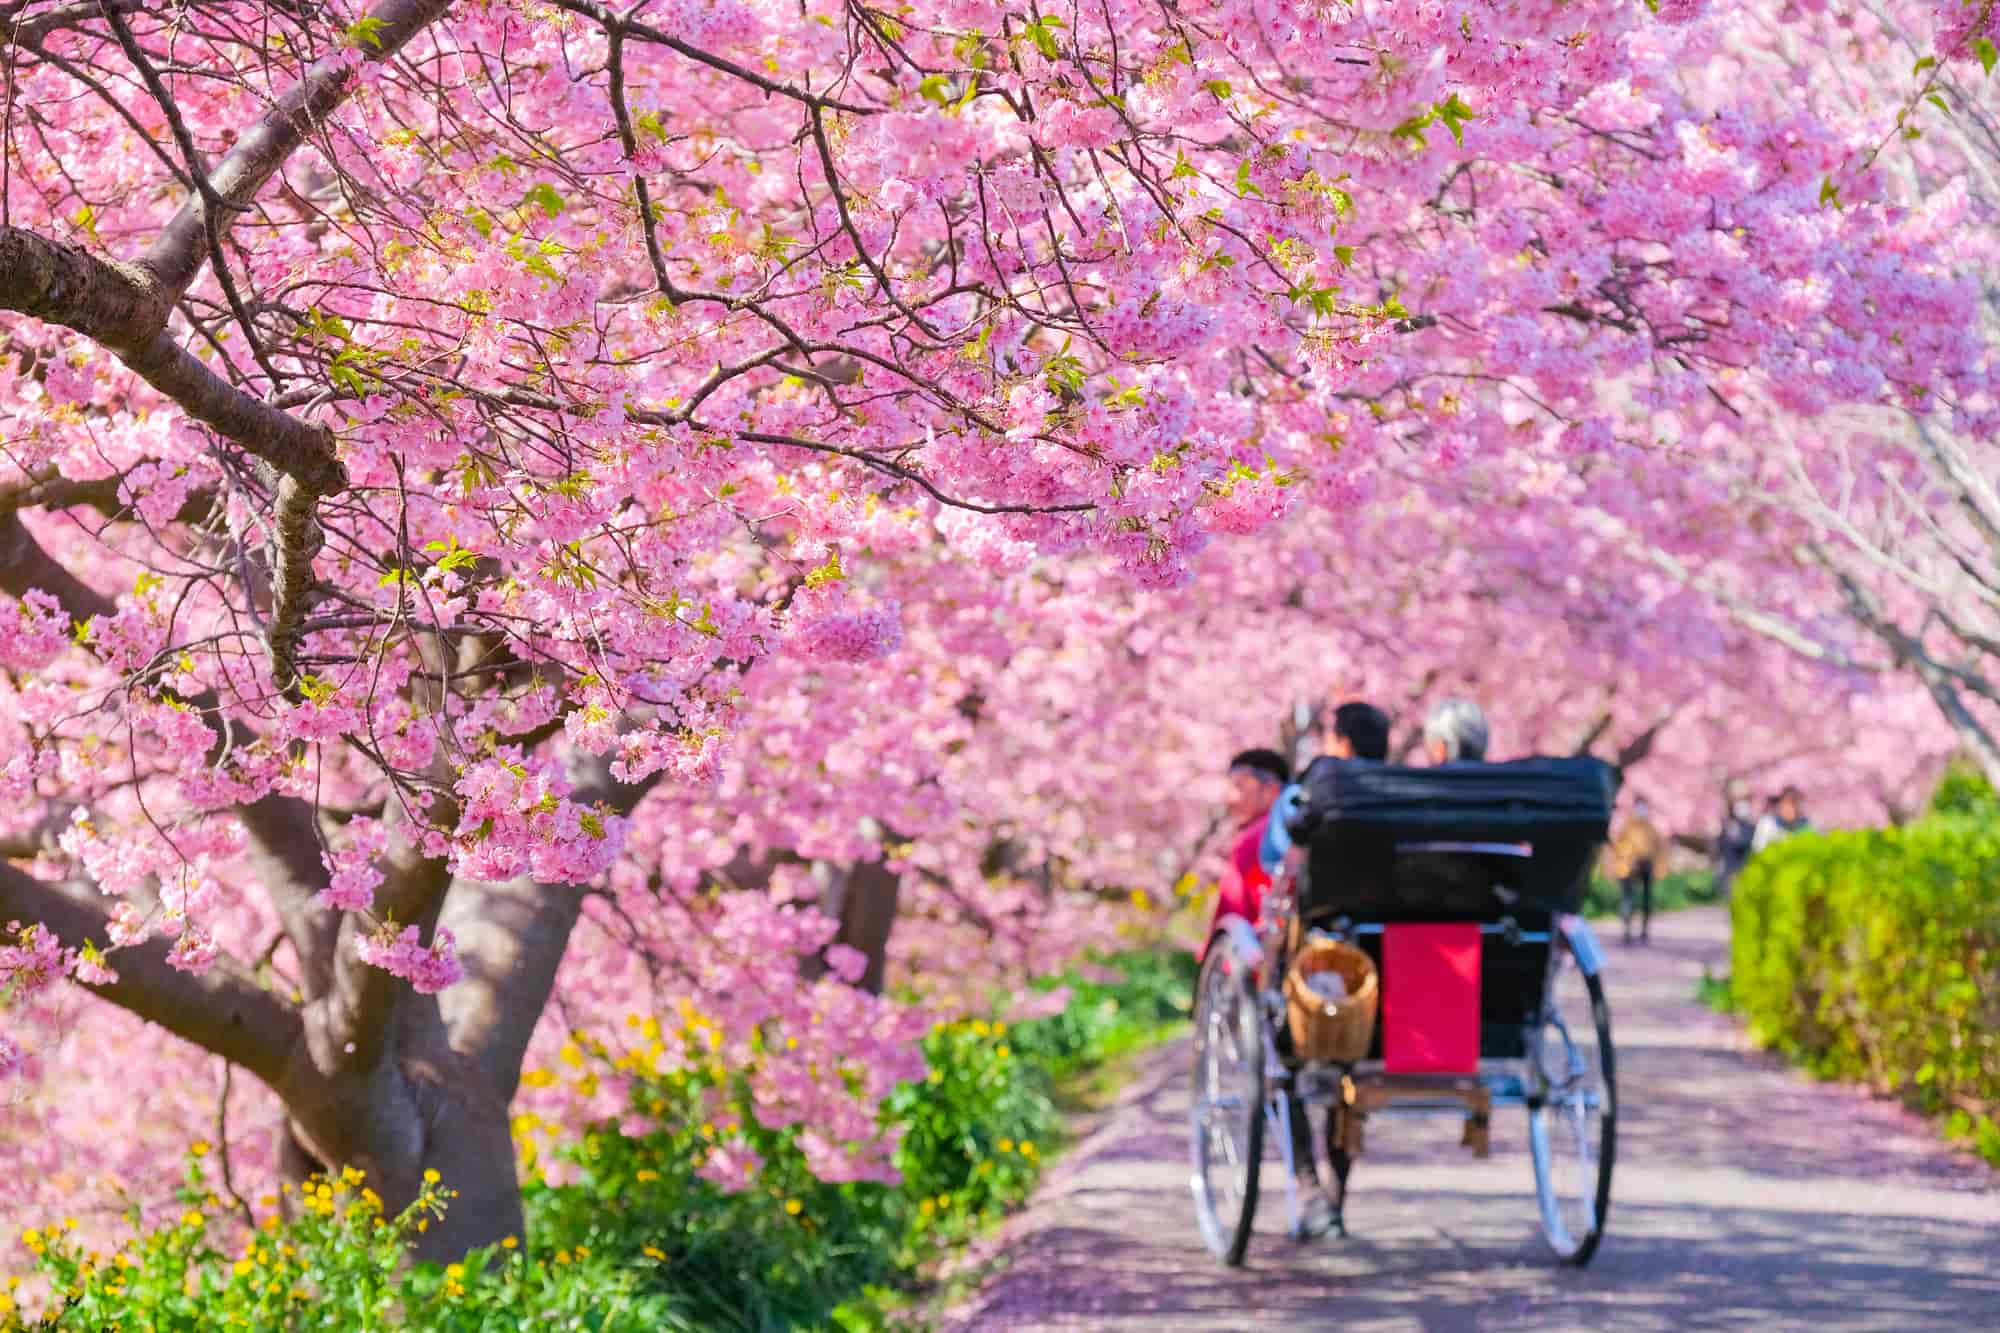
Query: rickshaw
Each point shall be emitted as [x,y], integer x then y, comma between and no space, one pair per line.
[1446,900]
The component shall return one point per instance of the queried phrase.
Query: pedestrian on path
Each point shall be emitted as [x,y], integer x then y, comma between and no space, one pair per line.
[1635,864]
[1732,845]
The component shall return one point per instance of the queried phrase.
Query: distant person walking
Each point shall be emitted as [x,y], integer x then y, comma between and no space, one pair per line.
[1635,864]
[1788,818]
[1732,845]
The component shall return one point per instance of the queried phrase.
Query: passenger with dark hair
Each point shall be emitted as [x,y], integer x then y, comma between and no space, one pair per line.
[1255,779]
[1354,730]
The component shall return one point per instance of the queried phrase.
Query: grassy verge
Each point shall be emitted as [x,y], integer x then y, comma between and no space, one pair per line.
[1714,991]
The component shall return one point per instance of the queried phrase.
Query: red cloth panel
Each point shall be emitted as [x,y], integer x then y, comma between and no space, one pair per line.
[1430,998]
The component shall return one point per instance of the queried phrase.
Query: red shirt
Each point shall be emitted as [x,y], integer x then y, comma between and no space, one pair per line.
[1241,892]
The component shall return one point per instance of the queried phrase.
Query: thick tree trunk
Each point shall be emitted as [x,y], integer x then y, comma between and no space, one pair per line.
[862,898]
[868,916]
[424,1109]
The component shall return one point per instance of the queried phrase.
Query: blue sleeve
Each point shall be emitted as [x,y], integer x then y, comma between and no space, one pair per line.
[1277,837]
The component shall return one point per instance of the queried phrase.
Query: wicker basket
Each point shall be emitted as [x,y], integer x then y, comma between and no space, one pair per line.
[1339,1032]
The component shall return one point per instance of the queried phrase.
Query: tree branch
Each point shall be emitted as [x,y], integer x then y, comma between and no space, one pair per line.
[120,307]
[222,1010]
[24,565]
[511,939]
[176,256]
[353,1025]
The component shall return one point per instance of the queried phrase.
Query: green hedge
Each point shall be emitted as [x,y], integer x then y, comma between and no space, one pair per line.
[1875,956]
[639,1243]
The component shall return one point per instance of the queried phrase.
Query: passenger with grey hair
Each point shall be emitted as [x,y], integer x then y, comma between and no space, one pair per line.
[1455,730]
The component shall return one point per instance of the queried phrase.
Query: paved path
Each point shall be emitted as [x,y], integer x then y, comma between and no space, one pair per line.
[1746,1196]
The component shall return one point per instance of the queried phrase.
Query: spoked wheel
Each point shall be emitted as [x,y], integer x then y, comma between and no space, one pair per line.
[1226,1106]
[1572,1113]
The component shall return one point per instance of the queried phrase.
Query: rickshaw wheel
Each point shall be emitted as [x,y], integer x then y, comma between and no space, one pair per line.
[1572,1115]
[1226,1103]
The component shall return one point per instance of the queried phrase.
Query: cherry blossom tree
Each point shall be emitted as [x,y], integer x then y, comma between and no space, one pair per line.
[1871,536]
[439,431]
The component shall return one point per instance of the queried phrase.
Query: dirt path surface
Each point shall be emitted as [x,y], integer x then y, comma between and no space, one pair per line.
[1745,1196]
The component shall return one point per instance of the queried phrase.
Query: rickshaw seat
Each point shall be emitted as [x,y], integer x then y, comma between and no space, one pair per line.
[1466,845]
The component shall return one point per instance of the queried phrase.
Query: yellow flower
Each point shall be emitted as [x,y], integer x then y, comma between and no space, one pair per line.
[652,1252]
[431,1177]
[646,1174]
[191,1218]
[794,1207]
[1027,1148]
[999,1029]
[562,1256]
[1004,1052]
[454,1270]
[242,1267]
[199,1149]
[583,1251]
[944,1201]
[1005,1145]
[509,1242]
[927,1207]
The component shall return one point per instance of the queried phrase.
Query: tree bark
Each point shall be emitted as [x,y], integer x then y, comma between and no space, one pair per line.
[868,917]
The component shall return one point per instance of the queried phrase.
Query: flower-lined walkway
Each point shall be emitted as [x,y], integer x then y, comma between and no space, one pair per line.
[1745,1196]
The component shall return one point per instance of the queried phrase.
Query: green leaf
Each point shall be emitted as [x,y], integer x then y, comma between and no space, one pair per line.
[1928,62]
[1219,87]
[544,194]
[364,32]
[830,572]
[649,123]
[1455,114]
[1042,32]
[1829,193]
[1413,128]
[1244,185]
[1988,56]
[1345,254]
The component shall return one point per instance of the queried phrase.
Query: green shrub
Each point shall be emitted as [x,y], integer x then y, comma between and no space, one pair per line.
[1875,955]
[638,1242]
[336,1265]
[1964,790]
